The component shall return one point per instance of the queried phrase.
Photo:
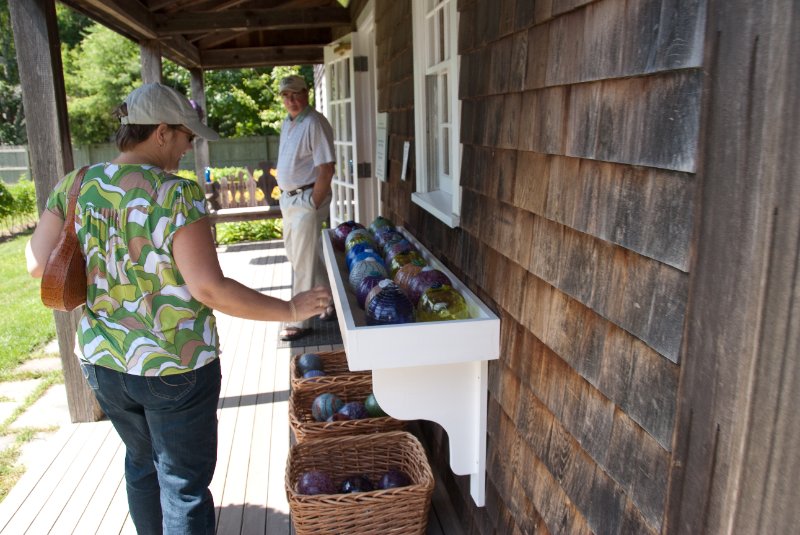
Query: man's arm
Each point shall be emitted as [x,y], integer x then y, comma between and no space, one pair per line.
[322,186]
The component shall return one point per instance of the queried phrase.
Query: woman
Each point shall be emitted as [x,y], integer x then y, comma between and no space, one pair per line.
[148,334]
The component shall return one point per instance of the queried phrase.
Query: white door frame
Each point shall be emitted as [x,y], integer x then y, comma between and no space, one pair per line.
[356,191]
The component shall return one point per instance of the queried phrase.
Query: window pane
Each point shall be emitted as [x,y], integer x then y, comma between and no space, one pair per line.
[333,74]
[441,46]
[432,146]
[446,151]
[346,78]
[445,100]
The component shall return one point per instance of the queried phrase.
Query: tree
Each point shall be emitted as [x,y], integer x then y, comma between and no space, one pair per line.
[12,118]
[101,67]
[98,73]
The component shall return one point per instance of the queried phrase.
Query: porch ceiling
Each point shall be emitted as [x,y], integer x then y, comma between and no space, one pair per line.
[222,34]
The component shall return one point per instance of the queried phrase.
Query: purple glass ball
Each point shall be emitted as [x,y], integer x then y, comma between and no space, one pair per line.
[340,233]
[369,267]
[367,283]
[396,248]
[424,280]
[385,237]
[389,305]
[394,478]
[354,410]
[315,482]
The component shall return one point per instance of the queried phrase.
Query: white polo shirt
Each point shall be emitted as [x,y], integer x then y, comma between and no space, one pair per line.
[306,142]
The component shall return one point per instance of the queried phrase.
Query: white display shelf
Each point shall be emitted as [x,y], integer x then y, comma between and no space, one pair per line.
[432,371]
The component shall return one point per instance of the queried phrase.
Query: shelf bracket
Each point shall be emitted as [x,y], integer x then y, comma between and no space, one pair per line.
[452,395]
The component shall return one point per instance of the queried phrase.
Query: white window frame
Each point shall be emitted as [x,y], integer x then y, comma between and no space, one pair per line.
[440,194]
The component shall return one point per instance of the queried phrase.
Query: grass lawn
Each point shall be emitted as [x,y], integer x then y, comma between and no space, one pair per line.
[25,324]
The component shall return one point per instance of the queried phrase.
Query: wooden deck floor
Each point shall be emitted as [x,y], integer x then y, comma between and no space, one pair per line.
[77,487]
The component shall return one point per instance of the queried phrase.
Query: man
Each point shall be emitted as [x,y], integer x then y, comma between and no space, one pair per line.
[305,170]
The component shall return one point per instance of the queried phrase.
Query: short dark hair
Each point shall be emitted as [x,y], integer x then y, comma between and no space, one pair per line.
[130,135]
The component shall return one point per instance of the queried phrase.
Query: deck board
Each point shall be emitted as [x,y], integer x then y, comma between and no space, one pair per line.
[78,487]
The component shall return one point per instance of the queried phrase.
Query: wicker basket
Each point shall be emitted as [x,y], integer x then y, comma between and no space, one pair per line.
[335,364]
[401,510]
[347,389]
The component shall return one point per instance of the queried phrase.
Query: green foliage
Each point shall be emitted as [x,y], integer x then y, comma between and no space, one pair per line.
[24,193]
[265,229]
[274,115]
[6,201]
[12,117]
[219,172]
[17,205]
[98,73]
[102,67]
[71,25]
[25,323]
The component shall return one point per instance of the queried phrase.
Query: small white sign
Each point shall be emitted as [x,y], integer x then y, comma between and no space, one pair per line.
[406,150]
[381,133]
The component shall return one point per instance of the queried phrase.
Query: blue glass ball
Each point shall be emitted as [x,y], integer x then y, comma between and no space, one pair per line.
[360,252]
[364,287]
[389,305]
[359,235]
[325,405]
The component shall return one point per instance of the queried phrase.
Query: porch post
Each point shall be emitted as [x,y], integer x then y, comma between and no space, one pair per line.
[150,57]
[201,154]
[44,98]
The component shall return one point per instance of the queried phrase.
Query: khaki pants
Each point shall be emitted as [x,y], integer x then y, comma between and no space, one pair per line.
[302,225]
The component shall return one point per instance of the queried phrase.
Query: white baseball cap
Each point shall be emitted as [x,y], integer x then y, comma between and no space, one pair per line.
[294,83]
[156,103]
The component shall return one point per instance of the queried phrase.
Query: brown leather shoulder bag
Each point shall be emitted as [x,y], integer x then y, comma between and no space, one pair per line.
[64,279]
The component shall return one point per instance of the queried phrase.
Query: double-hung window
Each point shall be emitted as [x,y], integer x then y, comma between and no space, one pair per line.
[436,109]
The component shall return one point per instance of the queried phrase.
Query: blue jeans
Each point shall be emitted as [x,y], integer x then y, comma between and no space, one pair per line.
[169,427]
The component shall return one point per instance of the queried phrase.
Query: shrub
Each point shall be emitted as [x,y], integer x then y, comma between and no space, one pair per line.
[17,205]
[265,229]
[6,201]
[24,193]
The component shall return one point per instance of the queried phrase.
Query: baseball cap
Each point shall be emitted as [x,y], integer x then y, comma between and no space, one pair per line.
[156,103]
[293,82]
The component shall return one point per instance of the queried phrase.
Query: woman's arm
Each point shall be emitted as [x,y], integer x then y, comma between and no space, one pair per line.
[197,261]
[42,242]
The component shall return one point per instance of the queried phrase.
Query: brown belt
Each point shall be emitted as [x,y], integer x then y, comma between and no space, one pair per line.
[301,189]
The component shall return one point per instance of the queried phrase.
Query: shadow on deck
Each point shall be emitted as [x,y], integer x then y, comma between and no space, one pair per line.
[78,486]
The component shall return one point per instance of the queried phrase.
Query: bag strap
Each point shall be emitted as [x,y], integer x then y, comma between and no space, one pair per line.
[72,199]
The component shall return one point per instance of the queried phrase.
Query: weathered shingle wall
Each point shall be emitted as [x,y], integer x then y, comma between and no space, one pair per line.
[580,128]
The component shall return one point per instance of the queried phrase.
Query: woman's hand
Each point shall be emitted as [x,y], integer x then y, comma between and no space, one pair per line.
[310,303]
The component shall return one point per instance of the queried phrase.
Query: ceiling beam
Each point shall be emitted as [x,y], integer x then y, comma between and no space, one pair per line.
[252,19]
[261,56]
[131,16]
[181,51]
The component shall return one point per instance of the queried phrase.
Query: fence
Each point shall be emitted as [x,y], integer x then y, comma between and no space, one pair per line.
[241,152]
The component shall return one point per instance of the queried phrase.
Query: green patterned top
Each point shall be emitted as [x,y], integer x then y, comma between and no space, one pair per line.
[139,317]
